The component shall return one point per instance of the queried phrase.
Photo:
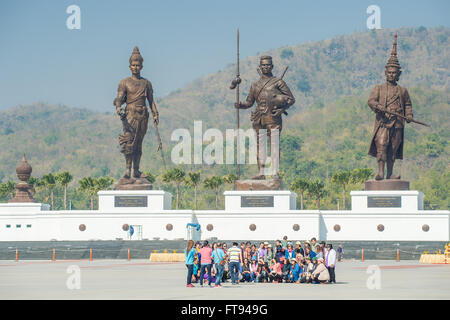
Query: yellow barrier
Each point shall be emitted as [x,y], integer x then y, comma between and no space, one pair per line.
[432,258]
[167,257]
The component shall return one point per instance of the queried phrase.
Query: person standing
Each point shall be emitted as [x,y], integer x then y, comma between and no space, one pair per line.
[219,261]
[299,249]
[235,261]
[189,253]
[330,262]
[261,254]
[340,252]
[205,262]
[284,242]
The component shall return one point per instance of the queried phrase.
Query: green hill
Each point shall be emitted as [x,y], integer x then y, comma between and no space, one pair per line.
[328,129]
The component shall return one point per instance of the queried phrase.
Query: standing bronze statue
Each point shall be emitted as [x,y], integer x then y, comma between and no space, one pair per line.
[134,91]
[392,106]
[273,98]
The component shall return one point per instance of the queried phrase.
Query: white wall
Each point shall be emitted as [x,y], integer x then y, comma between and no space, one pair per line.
[64,225]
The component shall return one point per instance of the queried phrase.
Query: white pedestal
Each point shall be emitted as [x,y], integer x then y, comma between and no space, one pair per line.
[268,200]
[134,201]
[387,201]
[23,207]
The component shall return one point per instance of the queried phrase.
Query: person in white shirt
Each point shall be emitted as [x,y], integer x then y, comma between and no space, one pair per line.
[330,262]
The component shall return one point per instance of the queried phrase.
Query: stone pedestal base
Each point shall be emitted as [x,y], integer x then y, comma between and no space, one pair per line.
[387,201]
[133,184]
[260,201]
[134,201]
[389,184]
[255,185]
[23,193]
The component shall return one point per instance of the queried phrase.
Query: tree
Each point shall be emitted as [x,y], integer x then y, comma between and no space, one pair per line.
[316,188]
[7,189]
[150,177]
[175,175]
[193,180]
[36,183]
[87,185]
[300,185]
[103,183]
[361,175]
[230,178]
[342,178]
[50,184]
[64,178]
[214,182]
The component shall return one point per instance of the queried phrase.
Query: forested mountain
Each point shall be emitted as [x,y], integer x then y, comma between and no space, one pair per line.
[327,130]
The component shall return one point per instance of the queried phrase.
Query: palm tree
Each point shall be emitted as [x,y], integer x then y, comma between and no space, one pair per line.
[103,183]
[342,178]
[49,183]
[87,185]
[316,189]
[175,175]
[230,178]
[193,180]
[64,178]
[36,183]
[7,189]
[214,182]
[300,185]
[361,175]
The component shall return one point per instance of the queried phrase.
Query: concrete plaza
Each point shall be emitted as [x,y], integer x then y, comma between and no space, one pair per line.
[141,279]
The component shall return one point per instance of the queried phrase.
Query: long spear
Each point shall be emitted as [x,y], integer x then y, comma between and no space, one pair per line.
[235,85]
[237,111]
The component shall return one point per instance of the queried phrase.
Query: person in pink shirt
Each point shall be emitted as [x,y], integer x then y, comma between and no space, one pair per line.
[205,262]
[275,271]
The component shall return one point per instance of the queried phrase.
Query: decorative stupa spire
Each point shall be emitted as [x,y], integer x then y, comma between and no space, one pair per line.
[23,189]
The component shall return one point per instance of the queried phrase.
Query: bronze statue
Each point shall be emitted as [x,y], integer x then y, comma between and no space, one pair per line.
[392,106]
[273,98]
[134,91]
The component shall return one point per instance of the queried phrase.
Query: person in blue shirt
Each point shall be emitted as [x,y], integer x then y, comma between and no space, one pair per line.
[189,253]
[219,260]
[296,271]
[289,253]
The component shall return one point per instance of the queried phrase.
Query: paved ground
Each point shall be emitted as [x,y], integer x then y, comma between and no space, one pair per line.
[140,279]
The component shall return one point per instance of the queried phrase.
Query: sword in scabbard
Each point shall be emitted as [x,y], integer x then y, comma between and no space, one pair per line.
[403,117]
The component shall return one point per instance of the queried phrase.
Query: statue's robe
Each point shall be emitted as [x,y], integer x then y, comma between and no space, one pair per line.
[134,93]
[395,99]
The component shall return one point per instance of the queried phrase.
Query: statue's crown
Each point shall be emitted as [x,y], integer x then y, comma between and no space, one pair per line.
[393,61]
[136,55]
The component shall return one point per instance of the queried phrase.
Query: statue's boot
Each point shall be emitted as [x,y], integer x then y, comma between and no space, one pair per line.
[136,160]
[261,175]
[128,161]
[380,175]
[390,168]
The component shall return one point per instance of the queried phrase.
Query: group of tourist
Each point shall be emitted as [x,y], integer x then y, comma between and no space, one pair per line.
[312,262]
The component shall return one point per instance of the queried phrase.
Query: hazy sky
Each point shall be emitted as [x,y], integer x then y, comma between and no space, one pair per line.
[42,60]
